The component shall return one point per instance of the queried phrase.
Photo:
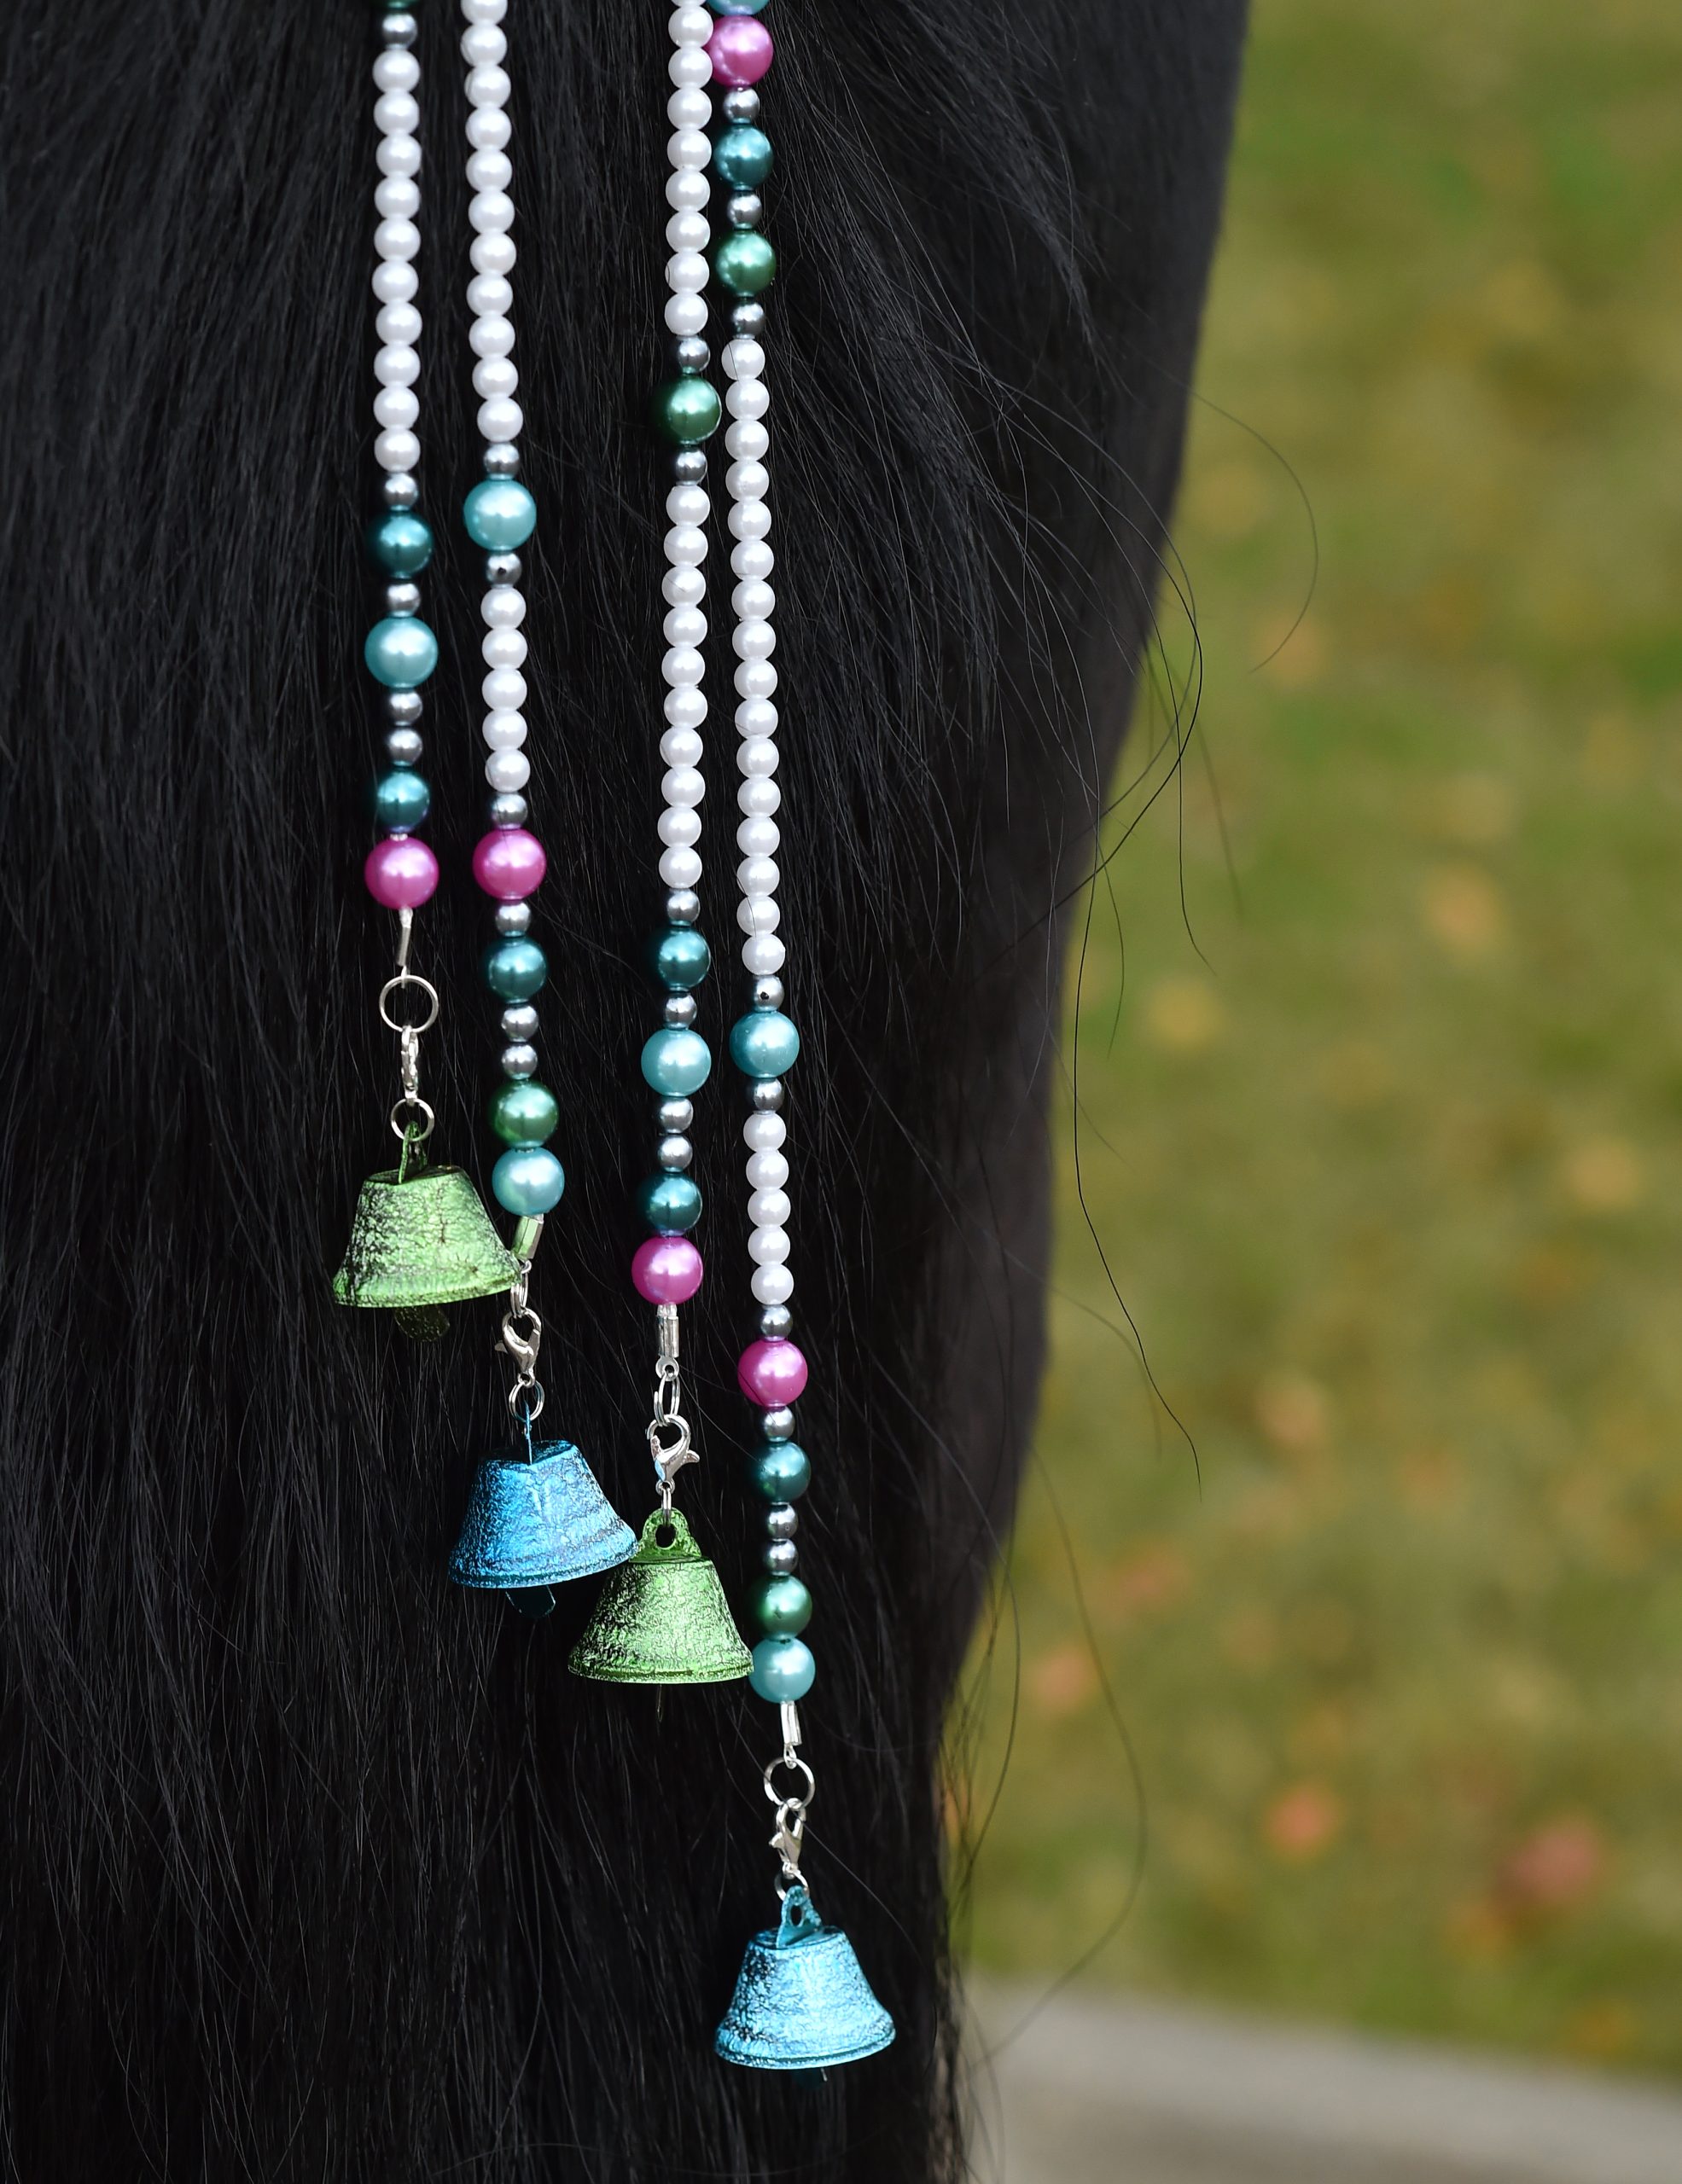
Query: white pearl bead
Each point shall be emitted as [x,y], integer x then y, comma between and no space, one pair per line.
[487,87]
[686,273]
[490,212]
[493,253]
[502,648]
[508,771]
[685,625]
[753,601]
[691,25]
[397,450]
[399,155]
[746,397]
[504,606]
[757,755]
[685,148]
[767,1171]
[753,557]
[398,198]
[773,1285]
[768,1246]
[489,296]
[683,667]
[759,797]
[747,481]
[688,191]
[683,587]
[763,956]
[690,64]
[396,114]
[500,421]
[687,231]
[488,128]
[686,544]
[755,717]
[685,314]
[397,366]
[490,171]
[680,829]
[770,1209]
[758,875]
[399,325]
[759,837]
[494,376]
[491,337]
[504,690]
[754,639]
[755,678]
[680,867]
[680,748]
[764,1133]
[688,504]
[758,914]
[747,439]
[396,241]
[397,71]
[749,520]
[689,108]
[743,359]
[483,45]
[685,708]
[504,731]
[396,408]
[484,11]
[683,787]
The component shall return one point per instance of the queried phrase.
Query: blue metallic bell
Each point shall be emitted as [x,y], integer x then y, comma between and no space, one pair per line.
[801,2002]
[536,1518]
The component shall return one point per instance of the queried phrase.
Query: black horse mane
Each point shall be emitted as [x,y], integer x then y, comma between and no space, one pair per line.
[311,1866]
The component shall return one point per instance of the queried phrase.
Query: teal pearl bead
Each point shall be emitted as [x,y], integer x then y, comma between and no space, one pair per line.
[782,1607]
[781,1471]
[745,263]
[525,1112]
[742,157]
[515,969]
[784,1669]
[736,7]
[675,1063]
[499,514]
[680,958]
[400,543]
[687,410]
[401,801]
[765,1044]
[671,1205]
[528,1180]
[401,651]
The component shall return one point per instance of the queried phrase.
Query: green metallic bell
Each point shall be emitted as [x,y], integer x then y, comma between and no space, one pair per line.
[662,1618]
[422,1238]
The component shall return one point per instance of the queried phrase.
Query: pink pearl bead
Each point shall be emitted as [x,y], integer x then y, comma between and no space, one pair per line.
[667,1270]
[509,865]
[741,48]
[771,1374]
[401,873]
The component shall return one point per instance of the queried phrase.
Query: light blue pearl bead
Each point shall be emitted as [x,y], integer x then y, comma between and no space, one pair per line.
[784,1669]
[675,1063]
[765,1044]
[527,1180]
[401,651]
[500,514]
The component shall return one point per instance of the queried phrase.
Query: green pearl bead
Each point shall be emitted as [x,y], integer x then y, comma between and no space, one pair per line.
[525,1113]
[515,969]
[400,543]
[401,801]
[687,410]
[671,1205]
[781,1606]
[742,157]
[745,263]
[680,958]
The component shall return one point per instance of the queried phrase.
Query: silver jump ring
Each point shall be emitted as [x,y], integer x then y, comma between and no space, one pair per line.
[395,986]
[795,1766]
[524,1401]
[406,1130]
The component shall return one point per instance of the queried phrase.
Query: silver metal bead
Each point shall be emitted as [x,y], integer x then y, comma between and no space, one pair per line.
[398,30]
[779,1425]
[689,466]
[400,489]
[501,568]
[403,746]
[502,459]
[509,810]
[768,1096]
[403,707]
[781,1557]
[776,1323]
[683,906]
[690,353]
[675,1154]
[746,209]
[514,917]
[782,1520]
[520,1059]
[520,1021]
[767,993]
[748,320]
[741,105]
[403,599]
[675,1115]
[681,1009]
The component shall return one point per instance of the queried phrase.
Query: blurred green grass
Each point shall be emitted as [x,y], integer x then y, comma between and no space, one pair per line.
[1388,1162]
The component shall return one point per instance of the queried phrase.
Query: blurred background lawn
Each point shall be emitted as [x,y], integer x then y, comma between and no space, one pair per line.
[1389,1173]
